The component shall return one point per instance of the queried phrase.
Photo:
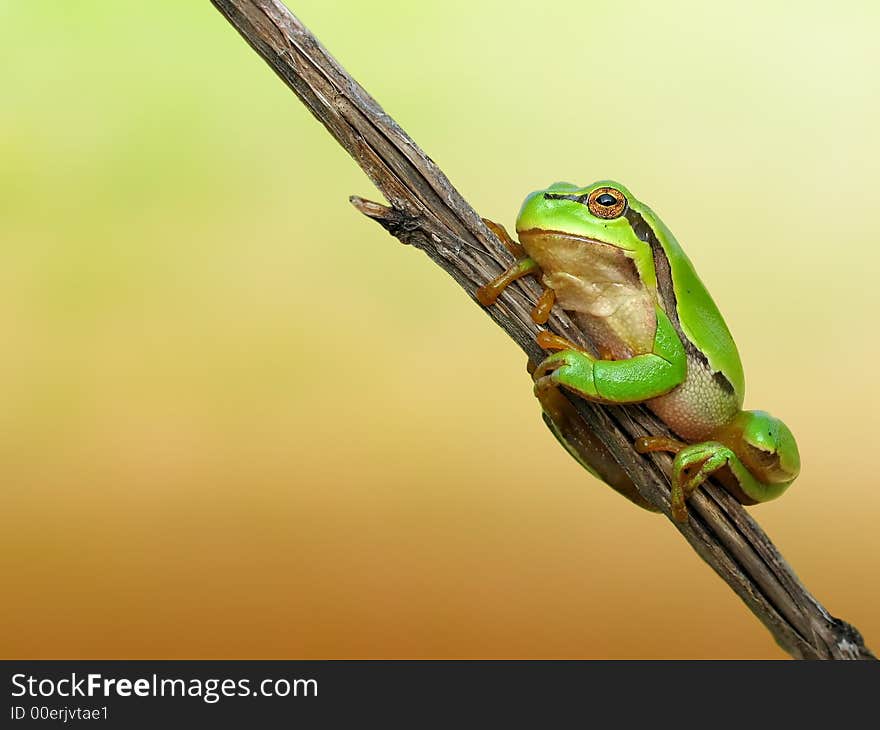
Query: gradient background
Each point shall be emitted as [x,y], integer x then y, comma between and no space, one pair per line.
[189,469]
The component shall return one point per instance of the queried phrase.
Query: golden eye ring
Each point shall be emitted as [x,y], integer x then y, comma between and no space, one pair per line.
[606,203]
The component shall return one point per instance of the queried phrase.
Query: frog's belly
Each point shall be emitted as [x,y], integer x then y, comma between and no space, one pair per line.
[617,315]
[694,409]
[697,407]
[617,312]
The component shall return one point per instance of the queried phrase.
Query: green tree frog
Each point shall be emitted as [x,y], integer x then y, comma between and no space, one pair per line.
[606,258]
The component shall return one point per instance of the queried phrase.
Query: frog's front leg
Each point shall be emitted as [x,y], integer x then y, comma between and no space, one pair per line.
[541,310]
[488,294]
[619,381]
[516,250]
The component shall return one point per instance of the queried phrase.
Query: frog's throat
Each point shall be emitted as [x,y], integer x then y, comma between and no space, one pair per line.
[532,233]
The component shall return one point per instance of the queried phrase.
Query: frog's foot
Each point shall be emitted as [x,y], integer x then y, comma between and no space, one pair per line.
[549,341]
[693,465]
[488,294]
[541,310]
[650,444]
[569,367]
[515,249]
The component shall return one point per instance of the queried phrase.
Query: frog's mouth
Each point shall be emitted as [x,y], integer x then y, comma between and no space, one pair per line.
[593,278]
[571,256]
[538,241]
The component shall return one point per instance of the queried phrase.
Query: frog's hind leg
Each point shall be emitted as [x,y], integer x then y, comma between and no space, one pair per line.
[551,341]
[650,444]
[627,380]
[693,465]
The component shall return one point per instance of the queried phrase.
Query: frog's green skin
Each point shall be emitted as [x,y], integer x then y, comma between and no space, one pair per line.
[625,280]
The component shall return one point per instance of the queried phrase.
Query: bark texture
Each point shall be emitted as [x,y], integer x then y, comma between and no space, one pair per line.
[427,212]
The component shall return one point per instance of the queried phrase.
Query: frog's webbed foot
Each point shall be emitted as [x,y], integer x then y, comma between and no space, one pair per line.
[571,368]
[488,294]
[650,444]
[549,341]
[693,465]
[543,374]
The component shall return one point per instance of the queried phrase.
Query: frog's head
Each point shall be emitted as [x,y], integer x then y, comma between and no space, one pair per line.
[600,212]
[594,211]
[590,232]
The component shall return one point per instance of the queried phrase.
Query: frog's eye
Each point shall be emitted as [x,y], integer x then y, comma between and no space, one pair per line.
[606,203]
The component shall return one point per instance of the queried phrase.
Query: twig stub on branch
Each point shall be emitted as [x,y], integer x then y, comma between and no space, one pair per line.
[427,212]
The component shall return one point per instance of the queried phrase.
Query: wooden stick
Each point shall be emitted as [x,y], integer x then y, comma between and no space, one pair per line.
[428,213]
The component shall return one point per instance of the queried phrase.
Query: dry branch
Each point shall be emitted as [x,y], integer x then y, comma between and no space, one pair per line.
[428,213]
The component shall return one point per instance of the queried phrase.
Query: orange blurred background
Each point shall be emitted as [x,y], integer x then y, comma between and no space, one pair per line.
[193,467]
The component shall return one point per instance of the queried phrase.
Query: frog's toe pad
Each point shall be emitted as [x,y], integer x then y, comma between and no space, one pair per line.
[550,367]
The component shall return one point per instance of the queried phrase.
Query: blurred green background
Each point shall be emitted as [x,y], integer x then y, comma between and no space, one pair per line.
[190,468]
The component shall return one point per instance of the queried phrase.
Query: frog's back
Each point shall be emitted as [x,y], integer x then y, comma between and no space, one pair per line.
[715,386]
